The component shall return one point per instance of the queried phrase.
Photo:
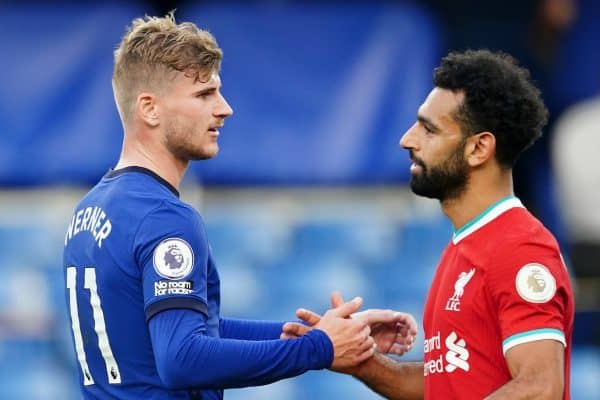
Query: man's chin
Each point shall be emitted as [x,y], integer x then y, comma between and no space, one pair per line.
[426,194]
[205,154]
[422,190]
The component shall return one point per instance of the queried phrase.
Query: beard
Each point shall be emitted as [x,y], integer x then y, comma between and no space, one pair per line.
[445,181]
[186,143]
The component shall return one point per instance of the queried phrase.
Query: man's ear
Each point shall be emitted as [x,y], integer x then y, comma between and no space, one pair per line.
[480,148]
[147,109]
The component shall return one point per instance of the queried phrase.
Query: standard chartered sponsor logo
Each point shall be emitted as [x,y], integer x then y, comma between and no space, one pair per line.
[457,354]
[456,357]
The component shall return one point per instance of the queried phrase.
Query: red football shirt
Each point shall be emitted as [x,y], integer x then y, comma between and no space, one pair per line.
[501,282]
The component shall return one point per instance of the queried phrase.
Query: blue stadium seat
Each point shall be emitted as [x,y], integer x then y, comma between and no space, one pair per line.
[33,372]
[301,280]
[576,73]
[585,371]
[422,237]
[286,389]
[58,120]
[247,239]
[330,385]
[244,293]
[366,239]
[313,87]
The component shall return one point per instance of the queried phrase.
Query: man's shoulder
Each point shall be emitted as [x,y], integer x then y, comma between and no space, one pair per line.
[510,241]
[131,204]
[523,228]
[515,228]
[138,195]
[522,241]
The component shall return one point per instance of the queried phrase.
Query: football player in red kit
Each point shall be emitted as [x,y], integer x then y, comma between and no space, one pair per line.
[498,317]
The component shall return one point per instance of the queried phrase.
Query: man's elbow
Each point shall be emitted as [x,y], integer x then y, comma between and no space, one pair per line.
[546,389]
[176,372]
[172,374]
[175,367]
[552,391]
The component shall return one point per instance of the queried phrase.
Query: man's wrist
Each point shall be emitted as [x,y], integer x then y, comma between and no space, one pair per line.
[356,371]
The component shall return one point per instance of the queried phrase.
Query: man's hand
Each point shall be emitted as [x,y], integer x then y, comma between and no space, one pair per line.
[351,339]
[393,332]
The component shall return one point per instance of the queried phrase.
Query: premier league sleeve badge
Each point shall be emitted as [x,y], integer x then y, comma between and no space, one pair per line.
[173,258]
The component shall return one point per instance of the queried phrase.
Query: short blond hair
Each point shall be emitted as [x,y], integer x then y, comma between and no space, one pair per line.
[153,49]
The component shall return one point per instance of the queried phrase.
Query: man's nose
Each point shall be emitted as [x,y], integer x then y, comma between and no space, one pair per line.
[407,141]
[224,110]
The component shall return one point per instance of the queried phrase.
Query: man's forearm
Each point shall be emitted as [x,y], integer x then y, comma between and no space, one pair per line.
[532,388]
[187,358]
[249,329]
[392,379]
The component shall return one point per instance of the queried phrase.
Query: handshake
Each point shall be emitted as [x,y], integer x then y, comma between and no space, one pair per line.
[356,336]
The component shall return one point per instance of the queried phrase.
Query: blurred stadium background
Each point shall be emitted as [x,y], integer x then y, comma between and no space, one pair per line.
[309,191]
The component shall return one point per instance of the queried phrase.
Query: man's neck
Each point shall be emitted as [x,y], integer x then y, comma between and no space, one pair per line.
[479,195]
[155,158]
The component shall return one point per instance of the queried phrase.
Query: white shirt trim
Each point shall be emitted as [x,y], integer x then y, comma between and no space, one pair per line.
[486,217]
[532,336]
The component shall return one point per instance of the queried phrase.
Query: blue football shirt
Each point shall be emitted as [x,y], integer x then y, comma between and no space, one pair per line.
[132,250]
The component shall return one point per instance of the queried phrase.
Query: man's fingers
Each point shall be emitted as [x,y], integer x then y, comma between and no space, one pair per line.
[368,352]
[295,329]
[366,331]
[348,308]
[399,349]
[375,316]
[336,299]
[310,317]
[408,340]
[408,324]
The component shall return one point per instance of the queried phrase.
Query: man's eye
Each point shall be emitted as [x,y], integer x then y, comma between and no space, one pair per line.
[205,94]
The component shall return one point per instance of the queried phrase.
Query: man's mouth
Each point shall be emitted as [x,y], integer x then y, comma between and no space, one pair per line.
[416,165]
[214,130]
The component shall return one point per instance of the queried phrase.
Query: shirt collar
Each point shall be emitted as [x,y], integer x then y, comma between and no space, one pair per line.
[488,215]
[116,172]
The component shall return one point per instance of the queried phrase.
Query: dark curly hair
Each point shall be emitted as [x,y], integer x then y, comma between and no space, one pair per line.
[499,98]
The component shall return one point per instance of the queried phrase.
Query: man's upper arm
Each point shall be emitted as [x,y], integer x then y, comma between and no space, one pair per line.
[172,252]
[537,371]
[530,291]
[543,359]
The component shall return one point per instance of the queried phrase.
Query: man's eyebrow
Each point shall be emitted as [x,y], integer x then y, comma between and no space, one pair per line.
[426,121]
[209,89]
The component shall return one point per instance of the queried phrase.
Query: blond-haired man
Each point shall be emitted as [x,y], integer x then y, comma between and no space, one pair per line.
[142,286]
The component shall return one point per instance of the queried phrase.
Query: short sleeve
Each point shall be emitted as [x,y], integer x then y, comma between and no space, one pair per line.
[529,288]
[172,251]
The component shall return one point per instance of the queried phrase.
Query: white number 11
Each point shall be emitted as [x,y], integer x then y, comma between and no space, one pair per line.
[112,368]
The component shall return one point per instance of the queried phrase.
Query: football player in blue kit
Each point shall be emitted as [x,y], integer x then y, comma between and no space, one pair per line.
[142,286]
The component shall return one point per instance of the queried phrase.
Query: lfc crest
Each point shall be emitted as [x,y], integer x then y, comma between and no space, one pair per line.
[453,303]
